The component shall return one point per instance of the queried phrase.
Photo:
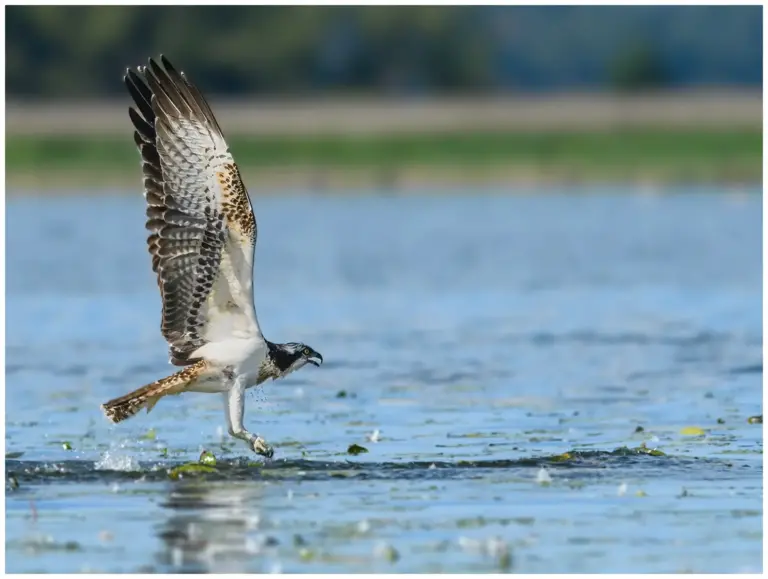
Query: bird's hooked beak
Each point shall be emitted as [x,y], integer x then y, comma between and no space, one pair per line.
[315,359]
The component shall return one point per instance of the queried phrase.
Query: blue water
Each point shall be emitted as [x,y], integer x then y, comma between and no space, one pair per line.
[484,333]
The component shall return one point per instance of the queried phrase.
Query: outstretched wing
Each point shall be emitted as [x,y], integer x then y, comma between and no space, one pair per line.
[203,231]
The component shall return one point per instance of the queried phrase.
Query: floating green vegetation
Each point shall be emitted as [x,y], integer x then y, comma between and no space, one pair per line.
[207,458]
[205,464]
[387,552]
[621,451]
[355,449]
[11,455]
[692,431]
[306,554]
[642,449]
[149,435]
[189,468]
[755,419]
[66,445]
[472,522]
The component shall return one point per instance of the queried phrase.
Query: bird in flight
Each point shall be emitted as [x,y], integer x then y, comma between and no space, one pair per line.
[202,240]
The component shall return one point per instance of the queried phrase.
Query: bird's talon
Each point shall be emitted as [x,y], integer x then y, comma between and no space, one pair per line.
[261,447]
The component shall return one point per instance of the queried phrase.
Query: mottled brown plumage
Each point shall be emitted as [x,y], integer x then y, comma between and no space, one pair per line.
[147,396]
[235,205]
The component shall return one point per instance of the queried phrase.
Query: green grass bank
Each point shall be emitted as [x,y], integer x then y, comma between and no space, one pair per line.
[680,155]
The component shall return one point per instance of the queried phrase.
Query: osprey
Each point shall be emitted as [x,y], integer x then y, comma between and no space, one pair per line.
[202,240]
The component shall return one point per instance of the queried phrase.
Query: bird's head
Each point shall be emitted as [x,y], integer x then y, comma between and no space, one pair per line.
[289,357]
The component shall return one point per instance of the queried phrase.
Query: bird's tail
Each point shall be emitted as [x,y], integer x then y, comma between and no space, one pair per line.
[147,396]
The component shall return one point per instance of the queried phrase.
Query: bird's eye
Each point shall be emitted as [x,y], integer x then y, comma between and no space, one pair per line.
[307,351]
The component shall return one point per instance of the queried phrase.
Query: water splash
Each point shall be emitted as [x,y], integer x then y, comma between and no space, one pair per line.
[115,459]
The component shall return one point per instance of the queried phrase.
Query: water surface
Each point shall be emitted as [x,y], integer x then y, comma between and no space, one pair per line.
[470,341]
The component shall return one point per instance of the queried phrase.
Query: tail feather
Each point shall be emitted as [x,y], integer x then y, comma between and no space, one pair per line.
[119,409]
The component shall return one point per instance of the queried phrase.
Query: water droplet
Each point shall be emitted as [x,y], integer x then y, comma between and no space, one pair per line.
[543,477]
[374,436]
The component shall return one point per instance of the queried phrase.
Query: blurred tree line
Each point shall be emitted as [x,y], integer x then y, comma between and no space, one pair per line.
[72,51]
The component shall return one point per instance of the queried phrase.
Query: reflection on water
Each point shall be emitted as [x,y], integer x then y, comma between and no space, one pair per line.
[208,526]
[478,328]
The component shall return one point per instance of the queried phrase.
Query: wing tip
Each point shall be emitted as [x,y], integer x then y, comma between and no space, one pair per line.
[161,59]
[169,66]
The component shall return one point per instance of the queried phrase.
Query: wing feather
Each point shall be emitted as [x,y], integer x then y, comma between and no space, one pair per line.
[200,219]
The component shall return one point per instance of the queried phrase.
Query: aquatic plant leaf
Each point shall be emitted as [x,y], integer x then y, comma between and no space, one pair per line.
[692,431]
[207,458]
[387,552]
[355,449]
[189,468]
[149,435]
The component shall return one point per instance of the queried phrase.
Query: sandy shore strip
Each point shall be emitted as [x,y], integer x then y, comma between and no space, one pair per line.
[343,116]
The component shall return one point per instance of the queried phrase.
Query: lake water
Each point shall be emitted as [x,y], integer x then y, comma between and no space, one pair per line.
[470,342]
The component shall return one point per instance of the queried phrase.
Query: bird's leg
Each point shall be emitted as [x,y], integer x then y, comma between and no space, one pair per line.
[234,408]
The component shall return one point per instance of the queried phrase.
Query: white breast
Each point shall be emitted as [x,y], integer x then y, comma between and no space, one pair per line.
[243,355]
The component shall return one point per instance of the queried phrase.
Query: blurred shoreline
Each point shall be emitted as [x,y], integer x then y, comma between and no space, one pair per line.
[425,179]
[682,137]
[566,111]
